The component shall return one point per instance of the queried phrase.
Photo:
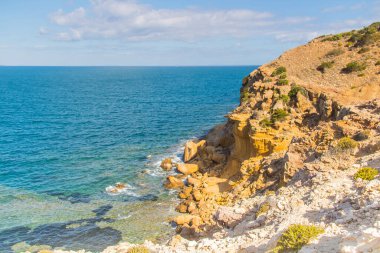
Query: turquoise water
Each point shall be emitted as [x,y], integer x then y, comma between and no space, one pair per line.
[67,133]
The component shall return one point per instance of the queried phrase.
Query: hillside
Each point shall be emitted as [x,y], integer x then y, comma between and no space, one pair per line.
[302,149]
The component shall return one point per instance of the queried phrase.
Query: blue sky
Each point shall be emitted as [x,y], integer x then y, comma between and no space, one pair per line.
[171,32]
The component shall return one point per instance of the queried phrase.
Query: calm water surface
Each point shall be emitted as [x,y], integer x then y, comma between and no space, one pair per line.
[66,133]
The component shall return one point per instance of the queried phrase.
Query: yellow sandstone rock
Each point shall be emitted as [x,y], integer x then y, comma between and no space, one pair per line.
[187,168]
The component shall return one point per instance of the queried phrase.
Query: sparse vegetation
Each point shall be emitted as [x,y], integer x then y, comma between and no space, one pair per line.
[361,75]
[245,96]
[264,208]
[284,98]
[278,115]
[278,71]
[335,52]
[325,65]
[354,67]
[366,173]
[297,236]
[282,82]
[266,122]
[282,76]
[138,249]
[346,143]
[270,193]
[377,63]
[366,36]
[363,50]
[267,80]
[294,91]
[335,37]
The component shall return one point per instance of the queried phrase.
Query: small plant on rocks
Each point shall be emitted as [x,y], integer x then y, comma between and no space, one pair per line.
[354,67]
[264,208]
[346,143]
[325,65]
[296,236]
[278,71]
[366,173]
[279,114]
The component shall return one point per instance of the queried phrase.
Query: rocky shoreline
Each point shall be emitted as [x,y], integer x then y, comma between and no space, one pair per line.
[291,153]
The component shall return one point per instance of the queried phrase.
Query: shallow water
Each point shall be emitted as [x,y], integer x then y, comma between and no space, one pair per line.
[66,133]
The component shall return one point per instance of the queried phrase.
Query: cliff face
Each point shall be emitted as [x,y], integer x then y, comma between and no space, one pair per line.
[294,112]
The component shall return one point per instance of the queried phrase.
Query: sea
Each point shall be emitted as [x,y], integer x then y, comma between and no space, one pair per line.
[69,133]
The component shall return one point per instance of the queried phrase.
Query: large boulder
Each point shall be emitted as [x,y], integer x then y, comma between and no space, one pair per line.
[187,168]
[173,182]
[191,149]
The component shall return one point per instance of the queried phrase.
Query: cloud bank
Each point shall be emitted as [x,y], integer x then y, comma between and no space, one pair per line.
[131,21]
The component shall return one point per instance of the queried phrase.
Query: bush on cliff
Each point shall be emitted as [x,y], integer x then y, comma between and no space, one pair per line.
[294,91]
[366,173]
[278,71]
[282,82]
[346,143]
[266,123]
[354,67]
[297,236]
[278,115]
[325,65]
[284,98]
[138,249]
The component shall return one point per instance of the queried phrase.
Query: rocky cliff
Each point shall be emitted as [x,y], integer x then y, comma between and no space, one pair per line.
[300,154]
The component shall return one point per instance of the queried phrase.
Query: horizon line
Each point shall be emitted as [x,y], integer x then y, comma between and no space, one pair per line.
[237,65]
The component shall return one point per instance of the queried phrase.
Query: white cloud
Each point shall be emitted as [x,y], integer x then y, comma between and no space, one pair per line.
[132,21]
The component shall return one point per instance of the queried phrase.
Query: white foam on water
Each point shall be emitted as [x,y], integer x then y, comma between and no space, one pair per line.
[127,189]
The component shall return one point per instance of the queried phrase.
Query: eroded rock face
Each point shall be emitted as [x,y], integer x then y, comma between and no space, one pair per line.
[280,127]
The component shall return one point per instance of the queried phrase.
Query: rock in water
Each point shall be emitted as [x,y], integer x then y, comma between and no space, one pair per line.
[167,164]
[173,182]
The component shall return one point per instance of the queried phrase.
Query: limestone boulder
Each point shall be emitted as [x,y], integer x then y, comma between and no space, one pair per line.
[191,149]
[187,168]
[173,182]
[167,164]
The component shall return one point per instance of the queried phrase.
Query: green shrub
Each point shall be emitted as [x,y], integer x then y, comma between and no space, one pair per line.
[363,50]
[346,143]
[267,80]
[335,52]
[335,37]
[266,123]
[377,63]
[278,71]
[354,67]
[278,114]
[297,236]
[282,76]
[138,249]
[325,65]
[245,96]
[366,173]
[294,91]
[361,75]
[284,98]
[282,82]
[264,208]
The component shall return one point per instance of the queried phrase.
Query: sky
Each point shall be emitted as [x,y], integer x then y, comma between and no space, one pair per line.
[168,32]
